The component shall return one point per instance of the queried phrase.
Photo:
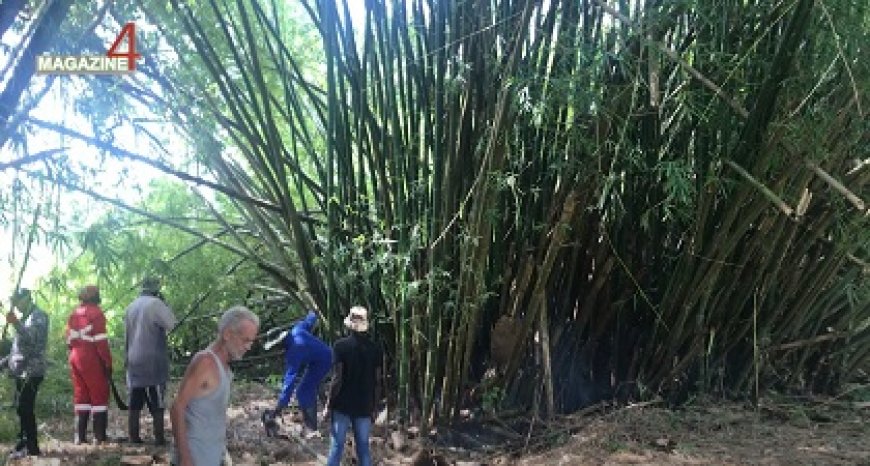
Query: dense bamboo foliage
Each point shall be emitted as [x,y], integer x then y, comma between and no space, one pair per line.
[545,203]
[616,180]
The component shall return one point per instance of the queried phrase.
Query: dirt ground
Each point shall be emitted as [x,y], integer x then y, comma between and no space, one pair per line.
[705,432]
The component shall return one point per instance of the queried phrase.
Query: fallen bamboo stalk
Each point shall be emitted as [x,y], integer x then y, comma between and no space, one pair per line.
[770,195]
[839,187]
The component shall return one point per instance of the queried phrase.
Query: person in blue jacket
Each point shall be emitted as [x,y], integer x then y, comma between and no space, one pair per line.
[302,352]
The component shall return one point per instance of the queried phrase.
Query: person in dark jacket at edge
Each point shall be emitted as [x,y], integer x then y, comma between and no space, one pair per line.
[355,388]
[90,364]
[147,322]
[27,365]
[302,351]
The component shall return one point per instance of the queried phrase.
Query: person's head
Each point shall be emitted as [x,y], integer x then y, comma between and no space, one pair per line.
[238,330]
[357,319]
[151,286]
[89,295]
[22,299]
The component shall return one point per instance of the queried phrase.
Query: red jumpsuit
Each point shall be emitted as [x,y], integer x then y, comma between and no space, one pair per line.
[89,359]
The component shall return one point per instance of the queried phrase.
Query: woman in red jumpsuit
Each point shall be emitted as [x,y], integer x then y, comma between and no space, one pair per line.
[90,364]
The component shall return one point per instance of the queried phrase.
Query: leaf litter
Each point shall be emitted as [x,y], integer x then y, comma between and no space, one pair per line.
[805,431]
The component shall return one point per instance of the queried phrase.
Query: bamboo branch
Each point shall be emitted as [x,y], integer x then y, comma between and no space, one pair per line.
[776,200]
[30,237]
[808,341]
[861,165]
[849,195]
[42,155]
[261,262]
[842,55]
[122,153]
[865,266]
[676,58]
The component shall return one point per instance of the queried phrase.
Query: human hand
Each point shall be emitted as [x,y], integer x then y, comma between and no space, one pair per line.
[11,317]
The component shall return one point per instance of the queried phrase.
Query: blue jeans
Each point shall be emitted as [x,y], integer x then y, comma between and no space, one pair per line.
[338,431]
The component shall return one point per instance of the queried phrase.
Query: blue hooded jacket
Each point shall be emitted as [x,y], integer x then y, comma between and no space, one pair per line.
[302,348]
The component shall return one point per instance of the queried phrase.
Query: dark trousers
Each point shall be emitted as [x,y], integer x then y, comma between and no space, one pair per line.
[152,396]
[26,389]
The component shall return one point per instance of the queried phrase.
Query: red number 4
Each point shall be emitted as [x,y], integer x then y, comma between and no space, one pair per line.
[129,31]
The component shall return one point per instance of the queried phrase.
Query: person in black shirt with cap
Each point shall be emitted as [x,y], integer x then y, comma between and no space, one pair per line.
[355,388]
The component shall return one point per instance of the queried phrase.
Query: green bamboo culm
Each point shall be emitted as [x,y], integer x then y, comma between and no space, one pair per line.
[643,198]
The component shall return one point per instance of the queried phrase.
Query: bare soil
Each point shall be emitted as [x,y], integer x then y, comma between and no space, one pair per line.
[706,432]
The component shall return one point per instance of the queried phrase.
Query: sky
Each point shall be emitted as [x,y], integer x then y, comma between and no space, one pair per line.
[42,258]
[54,108]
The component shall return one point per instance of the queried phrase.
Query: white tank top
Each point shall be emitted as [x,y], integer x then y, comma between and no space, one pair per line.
[206,419]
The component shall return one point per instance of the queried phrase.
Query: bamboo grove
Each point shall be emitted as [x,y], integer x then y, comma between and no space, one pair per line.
[549,203]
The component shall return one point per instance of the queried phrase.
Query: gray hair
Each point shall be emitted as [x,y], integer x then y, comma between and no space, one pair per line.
[234,316]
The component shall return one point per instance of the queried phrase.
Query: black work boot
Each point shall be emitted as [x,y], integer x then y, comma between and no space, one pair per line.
[159,436]
[81,428]
[101,421]
[133,426]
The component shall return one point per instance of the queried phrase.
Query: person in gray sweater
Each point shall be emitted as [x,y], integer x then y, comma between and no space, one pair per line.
[147,322]
[27,366]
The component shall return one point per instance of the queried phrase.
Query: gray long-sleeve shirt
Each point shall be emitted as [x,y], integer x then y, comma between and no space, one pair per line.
[27,358]
[147,321]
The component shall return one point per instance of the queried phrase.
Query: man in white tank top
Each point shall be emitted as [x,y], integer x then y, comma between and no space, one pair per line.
[199,412]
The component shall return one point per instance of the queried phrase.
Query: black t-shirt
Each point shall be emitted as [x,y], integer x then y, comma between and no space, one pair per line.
[360,358]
